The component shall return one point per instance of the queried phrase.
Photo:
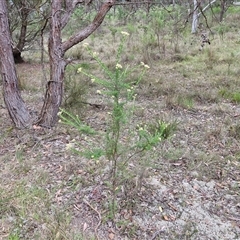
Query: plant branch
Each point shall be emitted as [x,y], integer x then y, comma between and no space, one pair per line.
[83,34]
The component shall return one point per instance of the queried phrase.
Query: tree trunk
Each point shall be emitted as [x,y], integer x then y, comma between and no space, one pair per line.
[195,16]
[57,49]
[12,98]
[54,91]
[17,55]
[223,5]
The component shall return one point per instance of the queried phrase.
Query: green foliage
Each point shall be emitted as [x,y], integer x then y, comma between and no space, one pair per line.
[19,153]
[222,28]
[94,153]
[79,19]
[233,10]
[223,92]
[13,236]
[131,28]
[120,91]
[186,102]
[75,90]
[121,13]
[74,121]
[150,135]
[232,96]
[113,31]
[236,97]
[215,9]
[159,17]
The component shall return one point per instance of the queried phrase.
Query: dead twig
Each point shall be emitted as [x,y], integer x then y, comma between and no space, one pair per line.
[99,216]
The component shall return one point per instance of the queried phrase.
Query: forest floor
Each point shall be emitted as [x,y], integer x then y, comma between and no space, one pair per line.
[187,187]
[191,190]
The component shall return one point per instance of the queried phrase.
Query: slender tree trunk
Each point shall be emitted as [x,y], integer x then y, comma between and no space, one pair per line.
[12,98]
[195,16]
[54,91]
[223,5]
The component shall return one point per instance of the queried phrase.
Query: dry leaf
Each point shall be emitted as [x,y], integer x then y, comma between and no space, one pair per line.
[85,226]
[165,217]
[176,164]
[111,236]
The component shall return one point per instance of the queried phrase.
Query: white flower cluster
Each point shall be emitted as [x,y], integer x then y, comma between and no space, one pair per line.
[118,66]
[125,33]
[145,65]
[95,54]
[85,44]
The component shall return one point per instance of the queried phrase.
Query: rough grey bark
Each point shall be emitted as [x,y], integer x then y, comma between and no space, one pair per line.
[12,98]
[54,90]
[57,49]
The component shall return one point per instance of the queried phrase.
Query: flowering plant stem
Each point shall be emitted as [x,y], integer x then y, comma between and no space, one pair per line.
[120,91]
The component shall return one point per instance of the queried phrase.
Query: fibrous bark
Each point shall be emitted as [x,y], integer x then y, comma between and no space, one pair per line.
[12,98]
[57,49]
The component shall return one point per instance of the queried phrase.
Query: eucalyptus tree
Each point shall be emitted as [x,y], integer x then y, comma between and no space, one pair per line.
[57,49]
[59,15]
